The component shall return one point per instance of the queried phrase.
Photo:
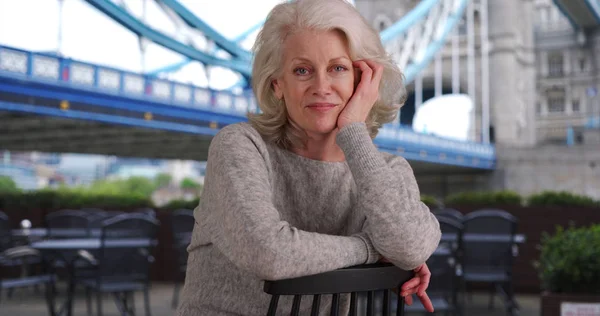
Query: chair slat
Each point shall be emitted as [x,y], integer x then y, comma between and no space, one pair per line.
[386,303]
[370,305]
[273,305]
[353,303]
[400,305]
[296,305]
[316,305]
[335,304]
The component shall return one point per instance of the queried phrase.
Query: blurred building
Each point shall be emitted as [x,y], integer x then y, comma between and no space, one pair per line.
[567,71]
[544,80]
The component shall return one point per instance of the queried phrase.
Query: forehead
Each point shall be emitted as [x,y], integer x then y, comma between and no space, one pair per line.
[311,45]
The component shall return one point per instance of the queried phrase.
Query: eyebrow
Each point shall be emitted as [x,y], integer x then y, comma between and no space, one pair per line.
[307,60]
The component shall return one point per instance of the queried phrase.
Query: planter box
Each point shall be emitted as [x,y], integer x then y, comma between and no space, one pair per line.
[563,304]
[533,221]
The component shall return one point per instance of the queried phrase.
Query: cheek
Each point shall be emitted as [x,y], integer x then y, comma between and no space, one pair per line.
[345,87]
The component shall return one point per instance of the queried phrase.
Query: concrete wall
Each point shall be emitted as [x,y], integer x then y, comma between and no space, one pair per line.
[527,171]
[557,168]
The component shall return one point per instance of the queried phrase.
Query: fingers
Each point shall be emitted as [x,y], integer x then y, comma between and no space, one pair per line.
[377,71]
[424,298]
[408,300]
[425,276]
[371,71]
[412,283]
[366,74]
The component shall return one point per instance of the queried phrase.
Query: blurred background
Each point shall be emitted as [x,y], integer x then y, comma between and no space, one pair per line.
[503,95]
[113,103]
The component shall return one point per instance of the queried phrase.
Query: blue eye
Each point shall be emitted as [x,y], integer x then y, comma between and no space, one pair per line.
[339,68]
[301,71]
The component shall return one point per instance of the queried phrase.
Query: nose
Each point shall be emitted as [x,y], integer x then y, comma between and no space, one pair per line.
[321,84]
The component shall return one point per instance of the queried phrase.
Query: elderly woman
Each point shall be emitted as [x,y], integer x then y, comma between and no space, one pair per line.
[302,189]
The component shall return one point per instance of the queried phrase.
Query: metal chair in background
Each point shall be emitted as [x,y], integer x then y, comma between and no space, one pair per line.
[182,225]
[488,249]
[122,264]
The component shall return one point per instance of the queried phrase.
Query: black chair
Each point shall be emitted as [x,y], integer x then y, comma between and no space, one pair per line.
[94,213]
[39,273]
[488,256]
[23,258]
[74,220]
[452,231]
[121,268]
[450,213]
[8,245]
[353,280]
[443,287]
[97,218]
[6,240]
[182,224]
[147,211]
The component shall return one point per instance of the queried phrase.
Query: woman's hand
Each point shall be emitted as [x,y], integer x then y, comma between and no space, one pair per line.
[365,95]
[418,285]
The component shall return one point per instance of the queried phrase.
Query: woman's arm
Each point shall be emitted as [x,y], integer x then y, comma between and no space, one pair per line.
[246,227]
[401,227]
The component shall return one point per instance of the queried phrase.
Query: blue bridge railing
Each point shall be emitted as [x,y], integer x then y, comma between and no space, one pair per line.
[65,72]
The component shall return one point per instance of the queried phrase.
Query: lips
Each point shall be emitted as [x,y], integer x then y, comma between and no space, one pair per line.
[321,105]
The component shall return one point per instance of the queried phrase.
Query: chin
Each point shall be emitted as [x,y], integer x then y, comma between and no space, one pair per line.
[323,128]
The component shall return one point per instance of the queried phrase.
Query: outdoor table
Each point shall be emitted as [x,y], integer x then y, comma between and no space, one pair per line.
[68,250]
[56,232]
[518,238]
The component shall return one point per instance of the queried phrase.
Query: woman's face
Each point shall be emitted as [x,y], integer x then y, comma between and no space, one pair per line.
[316,81]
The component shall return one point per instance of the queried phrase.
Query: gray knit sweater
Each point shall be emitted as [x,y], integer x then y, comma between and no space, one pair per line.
[267,214]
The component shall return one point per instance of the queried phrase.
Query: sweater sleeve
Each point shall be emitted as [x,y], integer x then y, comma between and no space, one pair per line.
[401,227]
[247,228]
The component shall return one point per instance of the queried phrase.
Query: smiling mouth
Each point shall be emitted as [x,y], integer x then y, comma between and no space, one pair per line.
[321,105]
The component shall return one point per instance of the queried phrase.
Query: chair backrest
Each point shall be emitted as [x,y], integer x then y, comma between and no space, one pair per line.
[488,239]
[353,280]
[443,270]
[182,225]
[147,211]
[93,212]
[452,231]
[97,218]
[67,219]
[6,240]
[126,244]
[450,213]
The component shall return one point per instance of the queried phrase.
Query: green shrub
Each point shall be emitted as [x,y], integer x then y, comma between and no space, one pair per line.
[64,199]
[484,198]
[430,201]
[570,260]
[178,204]
[189,183]
[8,185]
[549,198]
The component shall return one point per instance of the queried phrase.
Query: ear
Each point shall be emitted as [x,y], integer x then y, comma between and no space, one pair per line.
[277,89]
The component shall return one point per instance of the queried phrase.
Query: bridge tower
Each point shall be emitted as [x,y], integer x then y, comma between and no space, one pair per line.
[502,82]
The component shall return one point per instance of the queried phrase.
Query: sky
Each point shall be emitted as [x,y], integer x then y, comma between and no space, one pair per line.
[90,36]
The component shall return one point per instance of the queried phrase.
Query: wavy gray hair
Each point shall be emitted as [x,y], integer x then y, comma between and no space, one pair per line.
[363,41]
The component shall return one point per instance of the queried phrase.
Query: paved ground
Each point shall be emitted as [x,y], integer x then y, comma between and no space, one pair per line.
[26,302]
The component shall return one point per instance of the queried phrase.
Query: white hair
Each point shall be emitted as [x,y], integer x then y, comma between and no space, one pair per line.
[318,15]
